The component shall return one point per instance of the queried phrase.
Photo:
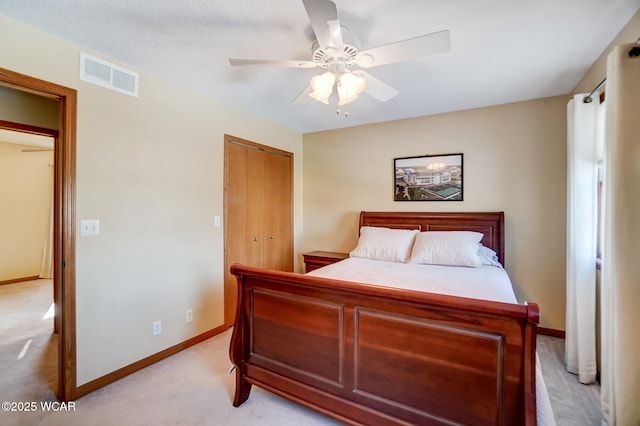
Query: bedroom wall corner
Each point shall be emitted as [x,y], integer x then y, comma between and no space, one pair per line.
[514,161]
[598,70]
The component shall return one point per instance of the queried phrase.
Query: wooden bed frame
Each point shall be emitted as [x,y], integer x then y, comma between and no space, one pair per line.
[366,354]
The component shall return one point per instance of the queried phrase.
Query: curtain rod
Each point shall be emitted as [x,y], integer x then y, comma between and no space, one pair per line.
[635,51]
[588,99]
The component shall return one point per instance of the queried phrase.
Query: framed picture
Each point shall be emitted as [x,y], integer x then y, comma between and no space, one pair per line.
[428,178]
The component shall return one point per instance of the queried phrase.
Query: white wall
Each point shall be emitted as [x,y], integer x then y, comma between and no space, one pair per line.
[24,193]
[151,170]
[598,70]
[514,161]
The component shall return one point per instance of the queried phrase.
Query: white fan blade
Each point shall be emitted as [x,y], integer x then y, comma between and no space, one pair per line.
[302,95]
[320,13]
[428,44]
[273,62]
[377,88]
[335,35]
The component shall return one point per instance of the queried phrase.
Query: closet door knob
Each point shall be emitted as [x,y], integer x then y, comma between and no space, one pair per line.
[271,237]
[255,238]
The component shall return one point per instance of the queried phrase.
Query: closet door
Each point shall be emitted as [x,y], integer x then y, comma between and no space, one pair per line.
[258,212]
[278,218]
[255,206]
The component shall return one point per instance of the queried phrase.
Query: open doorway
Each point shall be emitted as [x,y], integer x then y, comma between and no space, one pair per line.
[26,188]
[64,176]
[27,327]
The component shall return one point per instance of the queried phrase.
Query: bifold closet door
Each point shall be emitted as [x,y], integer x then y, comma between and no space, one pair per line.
[256,174]
[258,212]
[277,218]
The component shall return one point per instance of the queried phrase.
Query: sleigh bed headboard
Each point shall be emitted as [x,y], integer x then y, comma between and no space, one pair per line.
[491,224]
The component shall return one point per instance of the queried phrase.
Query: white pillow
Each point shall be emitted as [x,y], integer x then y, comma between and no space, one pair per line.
[488,256]
[392,245]
[455,248]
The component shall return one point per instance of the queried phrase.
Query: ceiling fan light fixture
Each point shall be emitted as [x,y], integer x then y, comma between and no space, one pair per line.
[350,85]
[336,50]
[322,86]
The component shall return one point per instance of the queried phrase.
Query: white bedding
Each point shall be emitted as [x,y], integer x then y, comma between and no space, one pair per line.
[485,282]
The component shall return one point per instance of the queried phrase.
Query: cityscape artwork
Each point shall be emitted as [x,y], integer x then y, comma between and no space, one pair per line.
[428,178]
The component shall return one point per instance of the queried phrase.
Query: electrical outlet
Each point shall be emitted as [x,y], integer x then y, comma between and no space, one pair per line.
[157,327]
[190,315]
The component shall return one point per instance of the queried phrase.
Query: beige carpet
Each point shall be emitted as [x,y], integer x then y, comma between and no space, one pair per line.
[193,387]
[28,352]
[190,388]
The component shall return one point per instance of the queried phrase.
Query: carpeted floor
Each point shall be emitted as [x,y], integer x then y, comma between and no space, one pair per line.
[28,351]
[192,387]
[573,403]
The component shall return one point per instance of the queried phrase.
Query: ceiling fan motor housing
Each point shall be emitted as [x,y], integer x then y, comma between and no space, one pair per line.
[348,54]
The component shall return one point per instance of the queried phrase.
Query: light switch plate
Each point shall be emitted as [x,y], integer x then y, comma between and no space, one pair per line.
[90,227]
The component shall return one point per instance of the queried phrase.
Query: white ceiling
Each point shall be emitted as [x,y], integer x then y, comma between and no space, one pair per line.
[22,138]
[501,50]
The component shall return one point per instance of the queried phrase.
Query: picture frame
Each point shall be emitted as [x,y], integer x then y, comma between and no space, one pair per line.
[428,178]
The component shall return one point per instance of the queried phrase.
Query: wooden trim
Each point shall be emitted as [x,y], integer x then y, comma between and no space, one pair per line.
[26,128]
[65,157]
[258,146]
[551,332]
[145,362]
[19,280]
[64,219]
[530,392]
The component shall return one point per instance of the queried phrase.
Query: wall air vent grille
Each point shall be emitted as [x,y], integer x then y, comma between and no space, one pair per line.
[106,74]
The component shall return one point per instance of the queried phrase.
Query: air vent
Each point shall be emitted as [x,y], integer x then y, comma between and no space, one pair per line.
[106,74]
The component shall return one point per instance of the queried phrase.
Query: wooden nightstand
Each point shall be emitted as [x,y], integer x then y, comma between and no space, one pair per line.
[318,259]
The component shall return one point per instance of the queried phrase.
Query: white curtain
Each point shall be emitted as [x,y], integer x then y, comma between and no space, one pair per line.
[46,267]
[582,210]
[620,387]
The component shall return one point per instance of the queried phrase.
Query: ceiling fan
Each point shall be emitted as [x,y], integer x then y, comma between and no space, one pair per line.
[338,51]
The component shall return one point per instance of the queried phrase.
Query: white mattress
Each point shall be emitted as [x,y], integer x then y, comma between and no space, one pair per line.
[485,283]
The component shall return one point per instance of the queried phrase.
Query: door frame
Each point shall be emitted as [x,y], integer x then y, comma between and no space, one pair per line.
[64,220]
